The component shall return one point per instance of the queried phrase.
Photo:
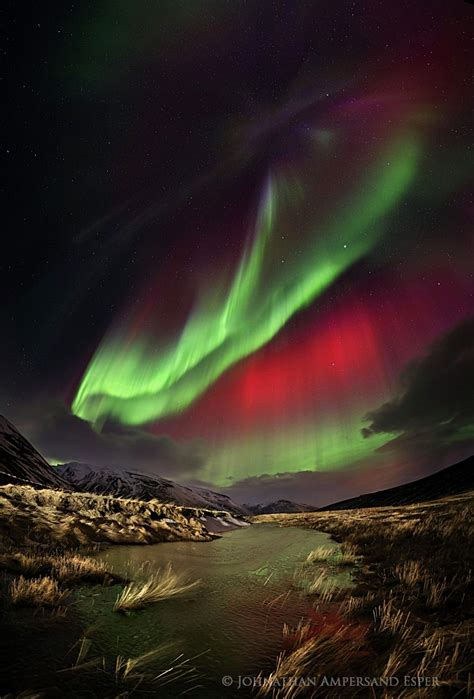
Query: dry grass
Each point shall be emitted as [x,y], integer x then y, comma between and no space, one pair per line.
[321,585]
[151,670]
[410,573]
[311,657]
[413,592]
[154,670]
[348,555]
[36,592]
[71,568]
[321,554]
[29,517]
[344,555]
[162,585]
[68,568]
[355,606]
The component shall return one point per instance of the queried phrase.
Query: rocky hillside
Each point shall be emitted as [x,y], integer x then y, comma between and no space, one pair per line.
[453,480]
[21,463]
[142,486]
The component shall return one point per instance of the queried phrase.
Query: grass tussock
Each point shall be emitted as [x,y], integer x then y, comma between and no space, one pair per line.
[76,568]
[344,555]
[36,592]
[160,586]
[321,554]
[413,592]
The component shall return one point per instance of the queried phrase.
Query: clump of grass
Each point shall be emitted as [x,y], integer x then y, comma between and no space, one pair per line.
[133,668]
[139,671]
[346,555]
[321,585]
[410,573]
[355,605]
[389,619]
[321,554]
[28,563]
[434,592]
[163,585]
[36,592]
[71,568]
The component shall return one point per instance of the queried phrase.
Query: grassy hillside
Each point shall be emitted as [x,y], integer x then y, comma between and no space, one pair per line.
[29,516]
[411,612]
[453,480]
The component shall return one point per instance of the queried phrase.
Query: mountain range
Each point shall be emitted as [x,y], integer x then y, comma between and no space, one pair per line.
[142,486]
[21,463]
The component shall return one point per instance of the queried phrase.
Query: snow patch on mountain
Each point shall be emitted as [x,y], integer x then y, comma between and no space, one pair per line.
[142,486]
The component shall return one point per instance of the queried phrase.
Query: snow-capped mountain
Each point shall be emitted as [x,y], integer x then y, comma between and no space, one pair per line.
[21,463]
[142,486]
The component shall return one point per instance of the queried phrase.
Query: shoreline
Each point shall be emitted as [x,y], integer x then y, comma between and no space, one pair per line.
[410,612]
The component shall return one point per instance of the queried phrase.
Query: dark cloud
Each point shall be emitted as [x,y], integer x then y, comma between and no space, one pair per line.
[61,436]
[321,487]
[434,405]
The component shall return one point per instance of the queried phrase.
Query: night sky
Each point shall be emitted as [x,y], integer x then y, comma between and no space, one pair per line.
[239,240]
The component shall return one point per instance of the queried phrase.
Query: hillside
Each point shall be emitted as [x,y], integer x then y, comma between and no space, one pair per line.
[142,486]
[31,516]
[20,462]
[452,480]
[284,506]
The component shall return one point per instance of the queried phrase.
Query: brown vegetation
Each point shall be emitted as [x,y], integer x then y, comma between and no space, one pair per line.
[36,592]
[31,517]
[410,613]
[154,669]
[66,568]
[162,585]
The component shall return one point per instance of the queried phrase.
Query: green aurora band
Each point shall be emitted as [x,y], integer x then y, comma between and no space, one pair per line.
[325,445]
[137,382]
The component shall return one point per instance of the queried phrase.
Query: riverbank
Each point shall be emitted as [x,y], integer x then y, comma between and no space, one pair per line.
[49,543]
[55,518]
[410,614]
[228,624]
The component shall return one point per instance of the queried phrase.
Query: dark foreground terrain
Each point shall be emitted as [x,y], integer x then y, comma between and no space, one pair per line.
[410,614]
[408,619]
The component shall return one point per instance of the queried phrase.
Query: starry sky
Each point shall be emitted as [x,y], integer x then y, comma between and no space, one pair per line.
[238,244]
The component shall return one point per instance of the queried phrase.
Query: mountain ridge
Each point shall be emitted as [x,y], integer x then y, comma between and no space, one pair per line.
[131,483]
[20,462]
[452,480]
[282,506]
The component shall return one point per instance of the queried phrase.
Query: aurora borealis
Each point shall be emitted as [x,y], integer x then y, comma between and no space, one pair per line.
[255,221]
[135,383]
